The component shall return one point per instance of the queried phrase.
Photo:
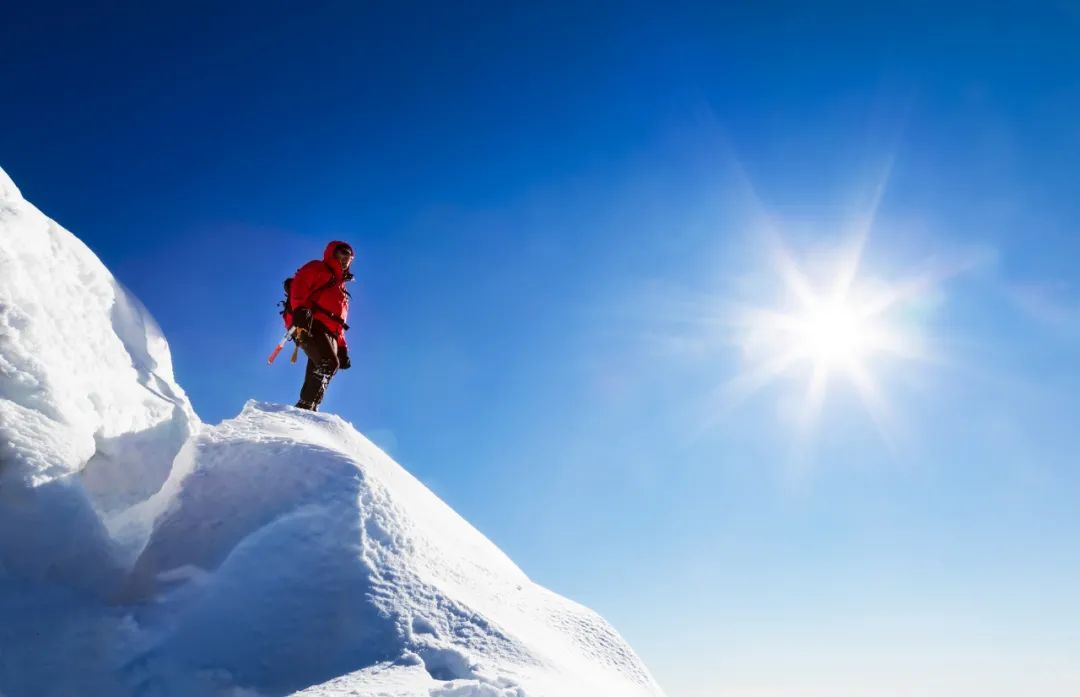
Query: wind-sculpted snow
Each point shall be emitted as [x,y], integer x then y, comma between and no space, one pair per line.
[84,367]
[90,416]
[144,554]
[309,545]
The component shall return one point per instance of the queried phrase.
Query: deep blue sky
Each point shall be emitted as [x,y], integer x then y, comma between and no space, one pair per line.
[549,201]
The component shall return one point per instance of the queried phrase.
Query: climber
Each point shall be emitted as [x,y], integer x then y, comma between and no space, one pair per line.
[316,307]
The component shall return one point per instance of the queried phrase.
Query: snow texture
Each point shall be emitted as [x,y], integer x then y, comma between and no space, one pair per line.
[90,416]
[145,554]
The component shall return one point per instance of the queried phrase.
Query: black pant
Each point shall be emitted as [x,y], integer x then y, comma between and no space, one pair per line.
[321,348]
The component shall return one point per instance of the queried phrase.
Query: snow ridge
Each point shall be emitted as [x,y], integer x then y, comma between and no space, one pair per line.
[90,416]
[143,553]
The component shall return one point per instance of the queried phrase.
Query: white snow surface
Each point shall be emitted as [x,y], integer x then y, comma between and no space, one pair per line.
[279,552]
[90,416]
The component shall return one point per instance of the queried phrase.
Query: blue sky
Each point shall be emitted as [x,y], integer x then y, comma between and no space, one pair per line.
[558,212]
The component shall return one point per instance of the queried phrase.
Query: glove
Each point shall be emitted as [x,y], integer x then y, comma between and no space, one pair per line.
[301,318]
[343,358]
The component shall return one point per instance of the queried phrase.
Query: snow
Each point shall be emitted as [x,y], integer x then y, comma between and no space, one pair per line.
[279,552]
[90,415]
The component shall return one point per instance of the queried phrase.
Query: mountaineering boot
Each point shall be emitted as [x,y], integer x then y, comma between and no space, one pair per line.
[310,406]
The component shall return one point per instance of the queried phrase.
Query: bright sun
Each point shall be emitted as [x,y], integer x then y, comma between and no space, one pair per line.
[844,328]
[832,332]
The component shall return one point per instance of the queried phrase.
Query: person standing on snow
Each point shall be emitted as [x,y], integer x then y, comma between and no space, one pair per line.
[318,306]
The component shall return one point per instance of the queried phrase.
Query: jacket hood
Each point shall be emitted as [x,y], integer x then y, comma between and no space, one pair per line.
[328,257]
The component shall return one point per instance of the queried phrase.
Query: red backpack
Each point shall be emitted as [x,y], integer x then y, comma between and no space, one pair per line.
[286,304]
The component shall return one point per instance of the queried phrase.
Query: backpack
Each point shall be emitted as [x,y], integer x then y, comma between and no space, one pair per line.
[286,304]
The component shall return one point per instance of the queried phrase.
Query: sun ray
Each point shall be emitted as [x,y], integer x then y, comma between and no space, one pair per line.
[870,394]
[839,331]
[748,383]
[734,392]
[851,259]
[815,397]
[849,265]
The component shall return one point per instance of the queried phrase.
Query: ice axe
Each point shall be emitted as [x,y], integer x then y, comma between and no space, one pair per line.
[281,345]
[299,339]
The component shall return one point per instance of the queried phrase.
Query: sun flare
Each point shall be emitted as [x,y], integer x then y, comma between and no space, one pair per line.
[832,332]
[845,328]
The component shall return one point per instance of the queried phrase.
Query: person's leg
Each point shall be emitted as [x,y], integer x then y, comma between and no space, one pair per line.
[321,348]
[312,381]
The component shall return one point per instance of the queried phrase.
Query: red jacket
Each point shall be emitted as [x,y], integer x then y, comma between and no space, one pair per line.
[320,286]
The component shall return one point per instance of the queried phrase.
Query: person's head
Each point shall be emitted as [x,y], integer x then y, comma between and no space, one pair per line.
[344,255]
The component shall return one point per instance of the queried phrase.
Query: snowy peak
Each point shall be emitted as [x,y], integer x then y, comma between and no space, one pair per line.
[8,191]
[143,553]
[90,416]
[85,368]
[311,520]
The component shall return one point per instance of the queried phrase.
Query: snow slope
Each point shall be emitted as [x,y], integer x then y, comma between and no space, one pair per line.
[279,551]
[90,416]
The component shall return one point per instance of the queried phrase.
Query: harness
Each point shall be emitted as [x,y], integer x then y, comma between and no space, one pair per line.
[337,318]
[333,281]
